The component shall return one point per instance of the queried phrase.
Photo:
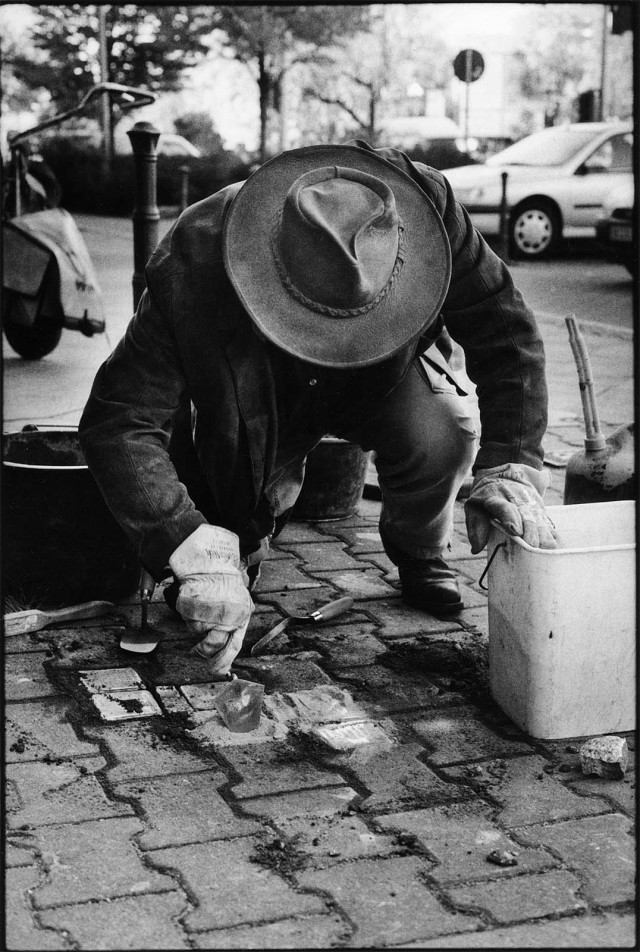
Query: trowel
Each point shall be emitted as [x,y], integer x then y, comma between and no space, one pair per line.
[605,470]
[33,619]
[145,639]
[324,613]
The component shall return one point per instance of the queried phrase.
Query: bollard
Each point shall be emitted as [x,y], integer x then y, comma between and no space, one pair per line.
[504,220]
[184,186]
[146,215]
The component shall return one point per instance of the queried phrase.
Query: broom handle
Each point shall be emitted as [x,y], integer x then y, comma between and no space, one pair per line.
[595,438]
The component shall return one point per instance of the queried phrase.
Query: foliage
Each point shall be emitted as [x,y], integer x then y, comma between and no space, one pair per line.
[272,39]
[147,46]
[198,128]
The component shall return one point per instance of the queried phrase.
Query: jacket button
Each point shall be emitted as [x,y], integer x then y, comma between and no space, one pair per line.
[312,382]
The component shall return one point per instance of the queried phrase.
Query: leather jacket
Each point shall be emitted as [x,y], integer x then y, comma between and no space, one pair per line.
[191,371]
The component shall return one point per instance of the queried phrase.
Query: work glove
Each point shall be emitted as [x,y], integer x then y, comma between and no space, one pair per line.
[212,597]
[512,495]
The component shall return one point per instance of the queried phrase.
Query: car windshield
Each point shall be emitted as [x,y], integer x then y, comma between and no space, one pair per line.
[550,147]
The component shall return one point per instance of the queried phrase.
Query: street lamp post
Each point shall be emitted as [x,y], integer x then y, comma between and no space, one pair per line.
[146,214]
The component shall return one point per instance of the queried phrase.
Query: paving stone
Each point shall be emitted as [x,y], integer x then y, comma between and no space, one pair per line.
[184,809]
[60,793]
[275,769]
[283,574]
[397,620]
[325,801]
[381,691]
[201,697]
[284,673]
[364,583]
[79,648]
[575,932]
[20,849]
[303,603]
[343,645]
[96,860]
[475,619]
[459,836]
[230,887]
[126,705]
[381,561]
[335,839]
[105,680]
[396,777]
[210,732]
[145,922]
[326,557]
[138,751]
[361,541]
[600,848]
[295,532]
[26,678]
[387,900]
[521,897]
[37,730]
[621,794]
[171,700]
[458,735]
[21,927]
[305,932]
[527,793]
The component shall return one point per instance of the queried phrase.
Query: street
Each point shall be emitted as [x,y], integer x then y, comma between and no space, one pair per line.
[54,389]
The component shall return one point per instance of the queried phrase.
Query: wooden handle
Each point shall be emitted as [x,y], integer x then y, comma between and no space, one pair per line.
[332,609]
[19,623]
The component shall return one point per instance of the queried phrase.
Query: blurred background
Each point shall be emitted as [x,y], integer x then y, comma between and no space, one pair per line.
[237,84]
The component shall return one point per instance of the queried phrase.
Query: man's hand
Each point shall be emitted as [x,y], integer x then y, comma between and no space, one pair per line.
[213,598]
[512,495]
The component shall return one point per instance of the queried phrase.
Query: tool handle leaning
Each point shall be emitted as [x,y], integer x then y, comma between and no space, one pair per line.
[32,619]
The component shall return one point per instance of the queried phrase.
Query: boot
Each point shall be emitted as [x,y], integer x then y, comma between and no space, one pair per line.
[429,584]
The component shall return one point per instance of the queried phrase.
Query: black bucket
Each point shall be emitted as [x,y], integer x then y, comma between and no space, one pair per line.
[61,545]
[333,482]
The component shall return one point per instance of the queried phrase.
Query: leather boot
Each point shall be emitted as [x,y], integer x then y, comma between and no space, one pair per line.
[429,584]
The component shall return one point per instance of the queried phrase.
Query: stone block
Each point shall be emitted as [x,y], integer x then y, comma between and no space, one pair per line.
[105,680]
[171,700]
[283,574]
[273,770]
[525,792]
[95,861]
[183,809]
[126,705]
[342,645]
[381,691]
[605,756]
[458,735]
[575,932]
[60,793]
[139,750]
[336,839]
[21,926]
[323,801]
[143,922]
[459,837]
[387,900]
[305,932]
[25,677]
[230,886]
[283,673]
[41,730]
[365,583]
[326,556]
[397,620]
[517,898]
[600,848]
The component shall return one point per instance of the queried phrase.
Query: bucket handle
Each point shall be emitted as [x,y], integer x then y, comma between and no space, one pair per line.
[500,545]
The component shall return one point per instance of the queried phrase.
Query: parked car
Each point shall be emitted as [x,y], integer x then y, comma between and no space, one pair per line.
[557,182]
[615,230]
[435,140]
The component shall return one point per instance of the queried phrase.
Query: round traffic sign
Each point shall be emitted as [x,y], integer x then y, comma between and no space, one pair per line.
[468,65]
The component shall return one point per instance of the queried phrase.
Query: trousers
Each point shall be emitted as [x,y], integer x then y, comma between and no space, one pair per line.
[423,442]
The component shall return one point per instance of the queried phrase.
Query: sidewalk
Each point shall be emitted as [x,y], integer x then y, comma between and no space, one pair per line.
[163,830]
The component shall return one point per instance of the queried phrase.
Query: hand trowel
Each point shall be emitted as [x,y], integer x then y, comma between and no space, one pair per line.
[145,639]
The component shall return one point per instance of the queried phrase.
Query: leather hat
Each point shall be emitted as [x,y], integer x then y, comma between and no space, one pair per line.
[338,256]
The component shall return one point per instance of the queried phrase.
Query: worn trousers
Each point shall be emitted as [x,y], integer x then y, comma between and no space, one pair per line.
[423,441]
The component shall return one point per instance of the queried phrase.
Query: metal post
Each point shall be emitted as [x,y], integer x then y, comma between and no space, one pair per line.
[184,186]
[146,215]
[603,63]
[107,140]
[504,220]
[467,84]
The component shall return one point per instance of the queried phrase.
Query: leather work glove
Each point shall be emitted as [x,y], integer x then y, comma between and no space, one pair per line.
[213,598]
[512,495]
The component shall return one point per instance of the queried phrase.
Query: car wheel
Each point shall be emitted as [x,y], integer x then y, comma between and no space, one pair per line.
[34,342]
[535,229]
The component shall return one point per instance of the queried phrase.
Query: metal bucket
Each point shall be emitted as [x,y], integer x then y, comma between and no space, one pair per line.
[333,481]
[61,545]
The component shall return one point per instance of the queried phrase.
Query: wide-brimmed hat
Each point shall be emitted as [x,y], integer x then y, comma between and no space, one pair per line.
[338,256]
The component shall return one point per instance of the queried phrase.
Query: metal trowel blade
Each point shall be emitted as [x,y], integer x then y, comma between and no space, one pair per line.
[141,640]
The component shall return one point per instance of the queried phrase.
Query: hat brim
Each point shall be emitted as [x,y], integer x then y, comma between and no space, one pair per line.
[408,309]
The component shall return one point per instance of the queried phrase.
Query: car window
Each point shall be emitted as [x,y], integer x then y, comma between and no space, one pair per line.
[549,147]
[614,155]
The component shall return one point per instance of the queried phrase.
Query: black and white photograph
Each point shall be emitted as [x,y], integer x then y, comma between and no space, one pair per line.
[319,475]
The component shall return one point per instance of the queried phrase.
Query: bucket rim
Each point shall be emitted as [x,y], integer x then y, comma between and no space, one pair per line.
[43,428]
[40,466]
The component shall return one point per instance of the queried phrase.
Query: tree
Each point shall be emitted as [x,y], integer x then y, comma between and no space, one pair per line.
[272,39]
[147,46]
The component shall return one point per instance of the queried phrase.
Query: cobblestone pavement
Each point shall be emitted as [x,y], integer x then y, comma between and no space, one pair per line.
[164,830]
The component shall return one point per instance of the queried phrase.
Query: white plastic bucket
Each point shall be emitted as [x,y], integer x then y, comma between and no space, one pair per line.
[562,624]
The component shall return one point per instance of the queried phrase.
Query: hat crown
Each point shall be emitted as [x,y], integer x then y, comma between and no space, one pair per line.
[337,237]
